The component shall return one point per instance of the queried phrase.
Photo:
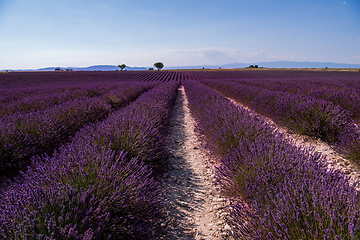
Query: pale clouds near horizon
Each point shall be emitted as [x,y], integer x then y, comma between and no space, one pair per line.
[41,33]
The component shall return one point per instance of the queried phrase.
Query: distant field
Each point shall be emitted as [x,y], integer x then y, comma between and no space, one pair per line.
[34,79]
[83,154]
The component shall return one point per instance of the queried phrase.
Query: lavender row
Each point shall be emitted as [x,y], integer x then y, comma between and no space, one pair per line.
[124,93]
[340,88]
[162,76]
[12,95]
[42,98]
[303,114]
[92,188]
[342,92]
[19,80]
[138,128]
[23,135]
[277,190]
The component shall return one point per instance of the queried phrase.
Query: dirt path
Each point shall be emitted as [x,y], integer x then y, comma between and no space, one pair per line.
[194,209]
[334,159]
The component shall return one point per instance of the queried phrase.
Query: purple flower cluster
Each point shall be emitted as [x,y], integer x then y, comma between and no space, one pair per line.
[41,98]
[163,76]
[124,93]
[23,134]
[138,128]
[26,80]
[91,188]
[343,91]
[278,190]
[83,192]
[303,114]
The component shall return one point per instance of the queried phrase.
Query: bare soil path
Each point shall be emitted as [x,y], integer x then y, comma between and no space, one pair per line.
[194,208]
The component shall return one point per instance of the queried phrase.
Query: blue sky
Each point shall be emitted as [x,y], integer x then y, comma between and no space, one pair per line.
[75,33]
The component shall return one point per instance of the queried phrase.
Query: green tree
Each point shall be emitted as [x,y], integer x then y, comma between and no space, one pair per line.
[159,65]
[122,66]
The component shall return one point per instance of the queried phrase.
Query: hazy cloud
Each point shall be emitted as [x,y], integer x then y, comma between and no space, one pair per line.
[254,54]
[197,56]
[282,57]
[357,57]
[204,56]
[213,53]
[200,52]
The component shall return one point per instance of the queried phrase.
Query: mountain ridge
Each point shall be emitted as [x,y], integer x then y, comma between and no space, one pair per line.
[275,64]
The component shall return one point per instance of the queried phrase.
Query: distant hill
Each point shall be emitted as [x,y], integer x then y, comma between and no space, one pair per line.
[278,64]
[94,68]
[288,64]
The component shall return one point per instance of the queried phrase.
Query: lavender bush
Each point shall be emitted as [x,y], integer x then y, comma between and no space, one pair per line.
[82,192]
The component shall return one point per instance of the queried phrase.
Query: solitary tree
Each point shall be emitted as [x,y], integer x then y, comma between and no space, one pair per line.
[122,66]
[159,65]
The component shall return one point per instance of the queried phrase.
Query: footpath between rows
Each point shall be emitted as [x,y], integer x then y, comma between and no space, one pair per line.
[194,209]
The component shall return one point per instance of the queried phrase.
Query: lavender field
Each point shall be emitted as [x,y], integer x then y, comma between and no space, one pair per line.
[83,155]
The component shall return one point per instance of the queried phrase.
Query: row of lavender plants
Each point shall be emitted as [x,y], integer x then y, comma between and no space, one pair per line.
[342,92]
[26,94]
[41,98]
[162,76]
[24,134]
[101,185]
[277,190]
[303,114]
[26,80]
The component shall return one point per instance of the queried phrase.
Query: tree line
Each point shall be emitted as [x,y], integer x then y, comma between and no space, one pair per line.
[158,65]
